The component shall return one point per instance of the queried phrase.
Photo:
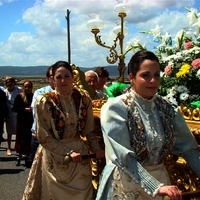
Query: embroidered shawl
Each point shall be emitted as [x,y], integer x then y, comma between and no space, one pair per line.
[137,132]
[80,99]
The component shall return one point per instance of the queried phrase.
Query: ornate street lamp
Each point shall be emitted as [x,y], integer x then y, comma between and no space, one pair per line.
[95,24]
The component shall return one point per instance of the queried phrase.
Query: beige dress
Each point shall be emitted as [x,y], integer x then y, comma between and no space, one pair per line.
[49,178]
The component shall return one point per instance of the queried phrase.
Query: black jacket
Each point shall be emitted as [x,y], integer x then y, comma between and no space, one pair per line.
[3,105]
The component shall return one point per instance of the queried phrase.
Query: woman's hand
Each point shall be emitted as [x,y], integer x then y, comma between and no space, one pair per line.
[100,154]
[76,157]
[171,191]
[28,109]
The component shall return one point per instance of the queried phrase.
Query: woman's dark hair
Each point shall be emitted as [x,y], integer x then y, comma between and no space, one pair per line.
[59,64]
[48,74]
[138,58]
[102,72]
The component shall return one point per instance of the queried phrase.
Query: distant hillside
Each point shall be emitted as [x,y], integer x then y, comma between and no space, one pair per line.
[23,71]
[41,71]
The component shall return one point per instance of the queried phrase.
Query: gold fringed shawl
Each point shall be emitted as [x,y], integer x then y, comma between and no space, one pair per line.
[80,99]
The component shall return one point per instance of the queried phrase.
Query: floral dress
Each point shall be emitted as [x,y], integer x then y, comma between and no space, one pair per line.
[60,121]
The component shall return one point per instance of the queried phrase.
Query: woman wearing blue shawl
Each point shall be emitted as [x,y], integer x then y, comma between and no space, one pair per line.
[140,129]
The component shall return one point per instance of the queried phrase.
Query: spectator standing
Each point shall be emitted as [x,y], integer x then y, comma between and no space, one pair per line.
[48,88]
[11,92]
[3,113]
[22,106]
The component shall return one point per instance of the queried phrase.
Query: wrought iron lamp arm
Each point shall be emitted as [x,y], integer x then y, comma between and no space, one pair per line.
[113,56]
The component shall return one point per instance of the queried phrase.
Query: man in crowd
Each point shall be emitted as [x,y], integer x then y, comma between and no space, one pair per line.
[48,88]
[92,80]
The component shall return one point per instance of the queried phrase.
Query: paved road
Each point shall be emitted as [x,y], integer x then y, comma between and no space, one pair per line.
[12,178]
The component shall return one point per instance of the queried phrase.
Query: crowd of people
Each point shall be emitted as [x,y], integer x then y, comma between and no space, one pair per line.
[139,129]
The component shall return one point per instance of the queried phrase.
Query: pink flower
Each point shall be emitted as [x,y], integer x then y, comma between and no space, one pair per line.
[168,70]
[196,63]
[187,45]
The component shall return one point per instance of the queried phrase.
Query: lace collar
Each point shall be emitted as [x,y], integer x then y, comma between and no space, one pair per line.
[146,104]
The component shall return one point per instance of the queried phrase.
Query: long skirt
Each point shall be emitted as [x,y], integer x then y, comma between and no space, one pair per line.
[23,140]
[50,178]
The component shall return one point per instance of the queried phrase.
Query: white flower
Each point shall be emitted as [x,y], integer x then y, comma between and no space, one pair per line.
[162,74]
[173,90]
[198,73]
[190,33]
[171,64]
[165,39]
[156,31]
[171,99]
[192,17]
[178,37]
[184,96]
[182,89]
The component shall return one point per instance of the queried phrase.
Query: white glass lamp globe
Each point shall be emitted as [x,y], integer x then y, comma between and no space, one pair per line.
[122,8]
[95,23]
[117,29]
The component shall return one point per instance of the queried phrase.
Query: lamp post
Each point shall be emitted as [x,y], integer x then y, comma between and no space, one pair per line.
[95,24]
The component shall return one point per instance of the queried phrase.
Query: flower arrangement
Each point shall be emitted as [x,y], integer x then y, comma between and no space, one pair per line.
[180,62]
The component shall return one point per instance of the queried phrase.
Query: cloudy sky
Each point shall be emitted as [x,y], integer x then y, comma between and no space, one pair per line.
[34,32]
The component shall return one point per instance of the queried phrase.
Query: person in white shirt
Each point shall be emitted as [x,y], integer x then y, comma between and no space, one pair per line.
[48,88]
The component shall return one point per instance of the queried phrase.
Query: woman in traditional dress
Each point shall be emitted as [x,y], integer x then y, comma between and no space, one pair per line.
[140,129]
[22,106]
[63,117]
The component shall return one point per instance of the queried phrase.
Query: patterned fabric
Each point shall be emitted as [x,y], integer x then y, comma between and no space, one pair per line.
[124,189]
[137,130]
[55,107]
[50,177]
[160,130]
[81,107]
